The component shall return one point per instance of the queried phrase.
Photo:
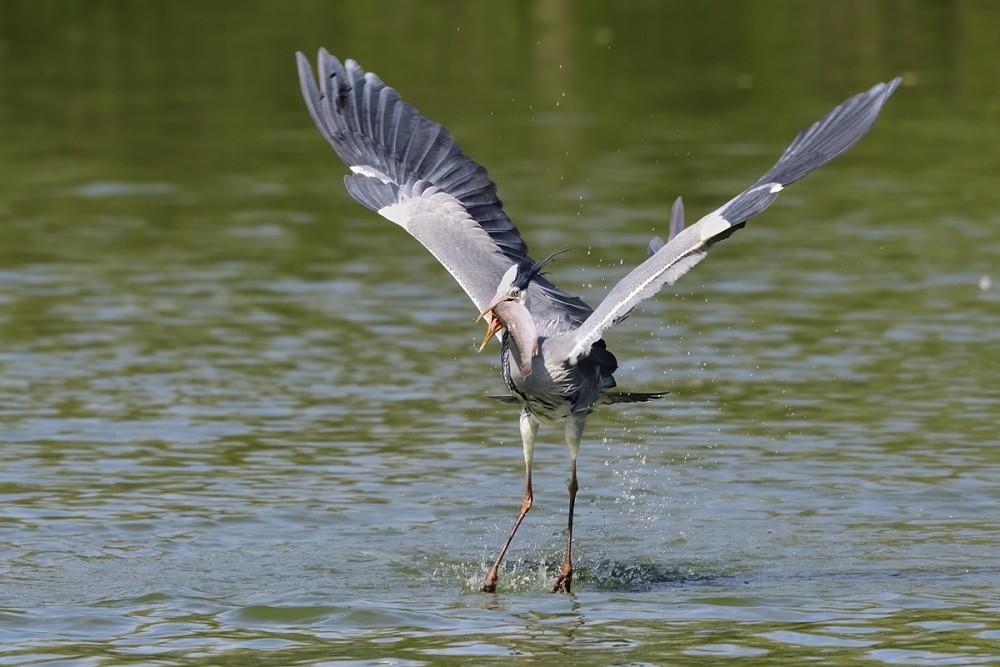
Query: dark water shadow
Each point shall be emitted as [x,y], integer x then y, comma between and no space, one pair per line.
[641,576]
[609,575]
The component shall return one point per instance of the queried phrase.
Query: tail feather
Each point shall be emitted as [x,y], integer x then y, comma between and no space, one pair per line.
[605,399]
[631,397]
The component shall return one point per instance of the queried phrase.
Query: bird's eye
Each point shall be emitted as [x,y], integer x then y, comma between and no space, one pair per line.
[515,292]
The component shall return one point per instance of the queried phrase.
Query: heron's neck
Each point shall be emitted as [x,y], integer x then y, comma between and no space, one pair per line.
[505,354]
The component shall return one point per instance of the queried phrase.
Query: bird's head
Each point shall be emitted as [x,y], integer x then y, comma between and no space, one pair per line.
[508,309]
[514,283]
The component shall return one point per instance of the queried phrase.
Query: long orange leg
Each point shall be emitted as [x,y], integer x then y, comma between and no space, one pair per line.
[574,432]
[529,429]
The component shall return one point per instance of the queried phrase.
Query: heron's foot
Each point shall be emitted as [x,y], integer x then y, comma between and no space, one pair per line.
[565,581]
[490,585]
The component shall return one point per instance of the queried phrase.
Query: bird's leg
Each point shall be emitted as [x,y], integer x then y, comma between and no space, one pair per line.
[529,429]
[490,584]
[574,431]
[565,580]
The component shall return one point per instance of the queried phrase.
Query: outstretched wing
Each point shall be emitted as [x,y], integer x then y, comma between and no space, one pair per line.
[812,148]
[408,169]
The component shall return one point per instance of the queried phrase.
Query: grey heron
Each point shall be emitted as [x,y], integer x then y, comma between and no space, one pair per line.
[555,362]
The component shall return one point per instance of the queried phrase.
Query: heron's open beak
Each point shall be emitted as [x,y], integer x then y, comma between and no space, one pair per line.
[505,313]
[495,325]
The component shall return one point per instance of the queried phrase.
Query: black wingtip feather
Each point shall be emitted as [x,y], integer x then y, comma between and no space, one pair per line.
[826,139]
[831,135]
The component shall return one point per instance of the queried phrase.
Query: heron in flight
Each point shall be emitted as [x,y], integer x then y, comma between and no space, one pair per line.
[555,362]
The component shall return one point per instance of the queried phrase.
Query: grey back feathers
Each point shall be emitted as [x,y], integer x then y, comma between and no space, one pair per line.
[676,227]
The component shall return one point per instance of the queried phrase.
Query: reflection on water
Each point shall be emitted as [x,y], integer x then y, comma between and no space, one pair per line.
[242,420]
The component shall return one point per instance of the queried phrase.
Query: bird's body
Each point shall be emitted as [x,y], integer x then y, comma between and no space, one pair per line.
[555,362]
[550,393]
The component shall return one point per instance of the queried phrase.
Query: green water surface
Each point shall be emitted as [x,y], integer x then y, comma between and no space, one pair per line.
[242,421]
